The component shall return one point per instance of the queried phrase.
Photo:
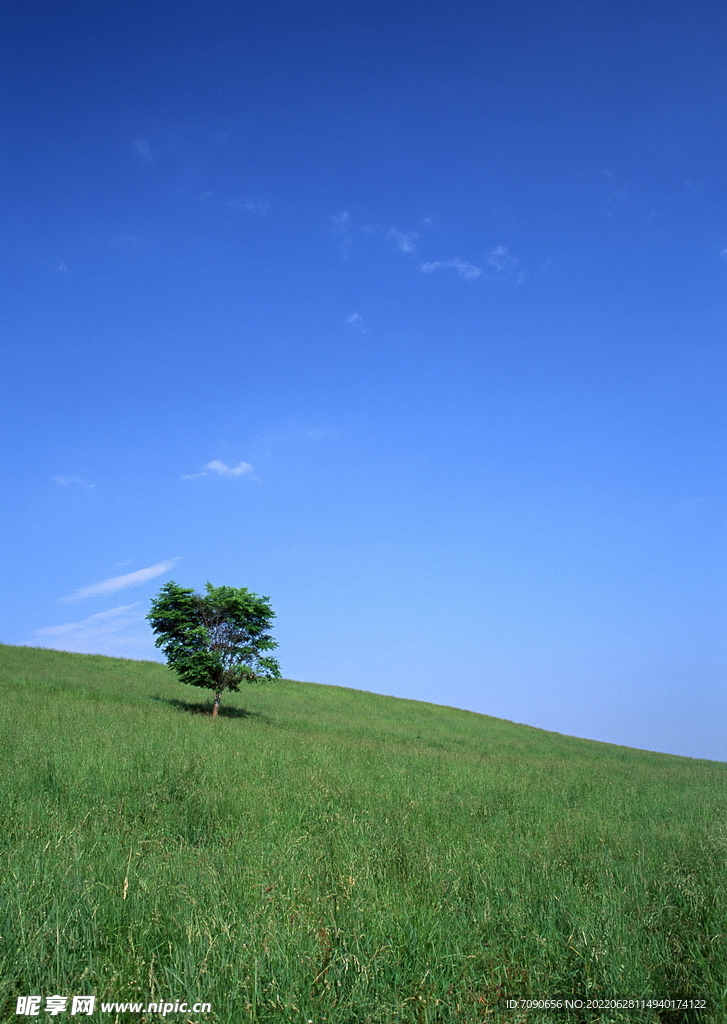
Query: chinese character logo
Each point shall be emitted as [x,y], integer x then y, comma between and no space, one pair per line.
[29,1006]
[55,1004]
[83,1004]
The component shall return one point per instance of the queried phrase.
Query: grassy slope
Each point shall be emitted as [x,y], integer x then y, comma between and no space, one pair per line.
[331,855]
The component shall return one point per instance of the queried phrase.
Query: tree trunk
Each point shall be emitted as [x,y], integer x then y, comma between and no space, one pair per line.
[216,705]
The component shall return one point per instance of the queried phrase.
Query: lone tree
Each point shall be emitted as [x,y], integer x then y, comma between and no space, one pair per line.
[217,639]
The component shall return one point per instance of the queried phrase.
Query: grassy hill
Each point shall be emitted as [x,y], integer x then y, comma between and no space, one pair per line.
[327,855]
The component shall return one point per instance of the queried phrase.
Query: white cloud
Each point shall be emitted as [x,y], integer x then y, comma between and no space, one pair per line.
[614,202]
[129,579]
[687,507]
[71,481]
[342,228]
[100,622]
[319,433]
[502,259]
[356,321]
[119,632]
[404,239]
[222,469]
[341,220]
[723,254]
[143,150]
[466,270]
[62,268]
[257,206]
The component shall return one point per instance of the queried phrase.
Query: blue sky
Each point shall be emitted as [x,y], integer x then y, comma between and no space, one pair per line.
[408,315]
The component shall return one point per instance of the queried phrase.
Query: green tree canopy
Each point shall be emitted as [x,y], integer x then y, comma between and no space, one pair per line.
[217,639]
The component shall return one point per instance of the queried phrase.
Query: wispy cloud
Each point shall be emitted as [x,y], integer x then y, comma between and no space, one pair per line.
[224,470]
[467,271]
[341,220]
[342,227]
[614,202]
[356,321]
[118,632]
[101,621]
[506,266]
[257,206]
[71,481]
[502,259]
[404,240]
[221,469]
[686,507]
[319,433]
[143,151]
[129,579]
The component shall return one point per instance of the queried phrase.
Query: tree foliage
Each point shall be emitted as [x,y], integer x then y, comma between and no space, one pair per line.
[217,639]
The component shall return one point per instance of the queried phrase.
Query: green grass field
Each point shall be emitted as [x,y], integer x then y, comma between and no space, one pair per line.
[328,855]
